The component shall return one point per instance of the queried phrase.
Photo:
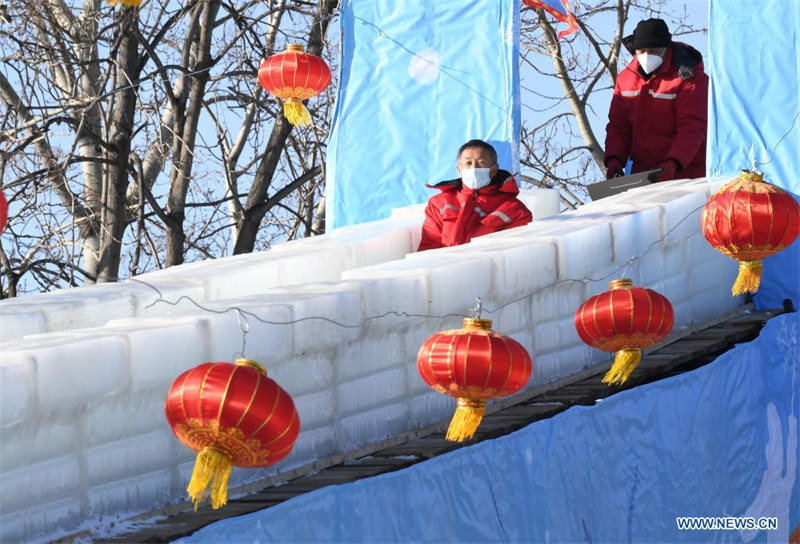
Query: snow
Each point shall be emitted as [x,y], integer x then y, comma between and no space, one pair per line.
[85,371]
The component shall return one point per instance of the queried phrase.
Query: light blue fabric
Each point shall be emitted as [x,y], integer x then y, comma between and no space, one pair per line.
[719,441]
[754,100]
[418,79]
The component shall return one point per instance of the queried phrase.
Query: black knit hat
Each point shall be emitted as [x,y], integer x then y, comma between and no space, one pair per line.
[651,33]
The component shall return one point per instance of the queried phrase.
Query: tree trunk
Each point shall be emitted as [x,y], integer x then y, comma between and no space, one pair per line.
[184,159]
[114,217]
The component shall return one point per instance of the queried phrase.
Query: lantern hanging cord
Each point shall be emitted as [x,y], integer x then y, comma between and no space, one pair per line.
[245,326]
[479,308]
[775,147]
[476,311]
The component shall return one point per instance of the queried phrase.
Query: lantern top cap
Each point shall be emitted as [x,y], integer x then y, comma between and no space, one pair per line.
[252,364]
[752,175]
[294,48]
[473,323]
[623,283]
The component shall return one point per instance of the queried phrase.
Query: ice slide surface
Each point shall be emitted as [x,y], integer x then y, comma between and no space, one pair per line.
[82,430]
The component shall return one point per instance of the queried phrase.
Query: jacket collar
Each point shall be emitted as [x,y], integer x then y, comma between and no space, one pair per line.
[503,182]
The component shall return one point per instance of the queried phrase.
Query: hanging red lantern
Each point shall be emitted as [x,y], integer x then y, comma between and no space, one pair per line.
[128,3]
[472,364]
[748,220]
[625,319]
[3,212]
[292,76]
[230,414]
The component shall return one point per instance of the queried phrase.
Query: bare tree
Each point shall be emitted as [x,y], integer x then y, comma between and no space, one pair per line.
[151,119]
[560,144]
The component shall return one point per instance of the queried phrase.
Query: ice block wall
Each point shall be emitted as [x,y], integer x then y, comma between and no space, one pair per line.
[82,430]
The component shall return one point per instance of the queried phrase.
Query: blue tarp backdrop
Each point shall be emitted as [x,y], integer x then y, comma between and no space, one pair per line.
[719,441]
[418,79]
[754,103]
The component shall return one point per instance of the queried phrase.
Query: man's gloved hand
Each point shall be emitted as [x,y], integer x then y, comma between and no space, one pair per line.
[614,168]
[669,170]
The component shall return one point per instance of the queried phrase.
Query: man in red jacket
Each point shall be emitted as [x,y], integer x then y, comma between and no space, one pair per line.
[659,111]
[481,201]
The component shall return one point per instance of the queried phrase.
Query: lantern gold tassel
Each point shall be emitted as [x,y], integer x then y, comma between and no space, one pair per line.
[749,278]
[624,364]
[466,419]
[210,476]
[127,3]
[296,113]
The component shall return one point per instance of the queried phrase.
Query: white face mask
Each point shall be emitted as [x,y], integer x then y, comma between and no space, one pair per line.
[475,178]
[649,62]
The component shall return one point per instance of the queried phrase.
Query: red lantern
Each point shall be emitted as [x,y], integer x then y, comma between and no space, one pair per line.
[3,211]
[750,219]
[472,364]
[230,414]
[624,319]
[128,3]
[292,76]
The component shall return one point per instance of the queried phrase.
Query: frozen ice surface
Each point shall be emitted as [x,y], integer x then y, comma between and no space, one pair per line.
[85,371]
[315,410]
[369,392]
[364,427]
[541,202]
[369,355]
[134,455]
[17,388]
[145,491]
[54,479]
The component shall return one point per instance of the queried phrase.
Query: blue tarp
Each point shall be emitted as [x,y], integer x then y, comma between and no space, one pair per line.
[754,103]
[418,79]
[719,441]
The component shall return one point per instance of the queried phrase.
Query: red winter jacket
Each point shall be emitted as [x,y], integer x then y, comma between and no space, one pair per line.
[458,214]
[662,117]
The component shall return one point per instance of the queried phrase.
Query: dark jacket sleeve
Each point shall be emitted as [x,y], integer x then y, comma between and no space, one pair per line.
[691,119]
[619,131]
[431,229]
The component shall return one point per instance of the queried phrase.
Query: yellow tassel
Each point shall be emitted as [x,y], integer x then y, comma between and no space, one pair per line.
[128,3]
[749,278]
[296,113]
[466,419]
[624,364]
[210,476]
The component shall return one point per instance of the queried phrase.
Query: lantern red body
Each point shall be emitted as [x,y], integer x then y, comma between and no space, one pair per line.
[624,319]
[234,411]
[292,76]
[3,211]
[748,220]
[473,364]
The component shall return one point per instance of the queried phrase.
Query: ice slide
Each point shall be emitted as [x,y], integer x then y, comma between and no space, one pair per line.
[84,372]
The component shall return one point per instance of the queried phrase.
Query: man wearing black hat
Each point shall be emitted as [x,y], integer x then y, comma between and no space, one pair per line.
[659,112]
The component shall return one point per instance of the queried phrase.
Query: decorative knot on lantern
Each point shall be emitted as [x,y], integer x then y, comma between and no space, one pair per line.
[472,364]
[292,76]
[229,414]
[748,220]
[625,319]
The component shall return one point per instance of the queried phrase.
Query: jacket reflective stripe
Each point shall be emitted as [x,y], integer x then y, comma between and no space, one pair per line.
[502,216]
[480,211]
[668,96]
[448,207]
[631,93]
